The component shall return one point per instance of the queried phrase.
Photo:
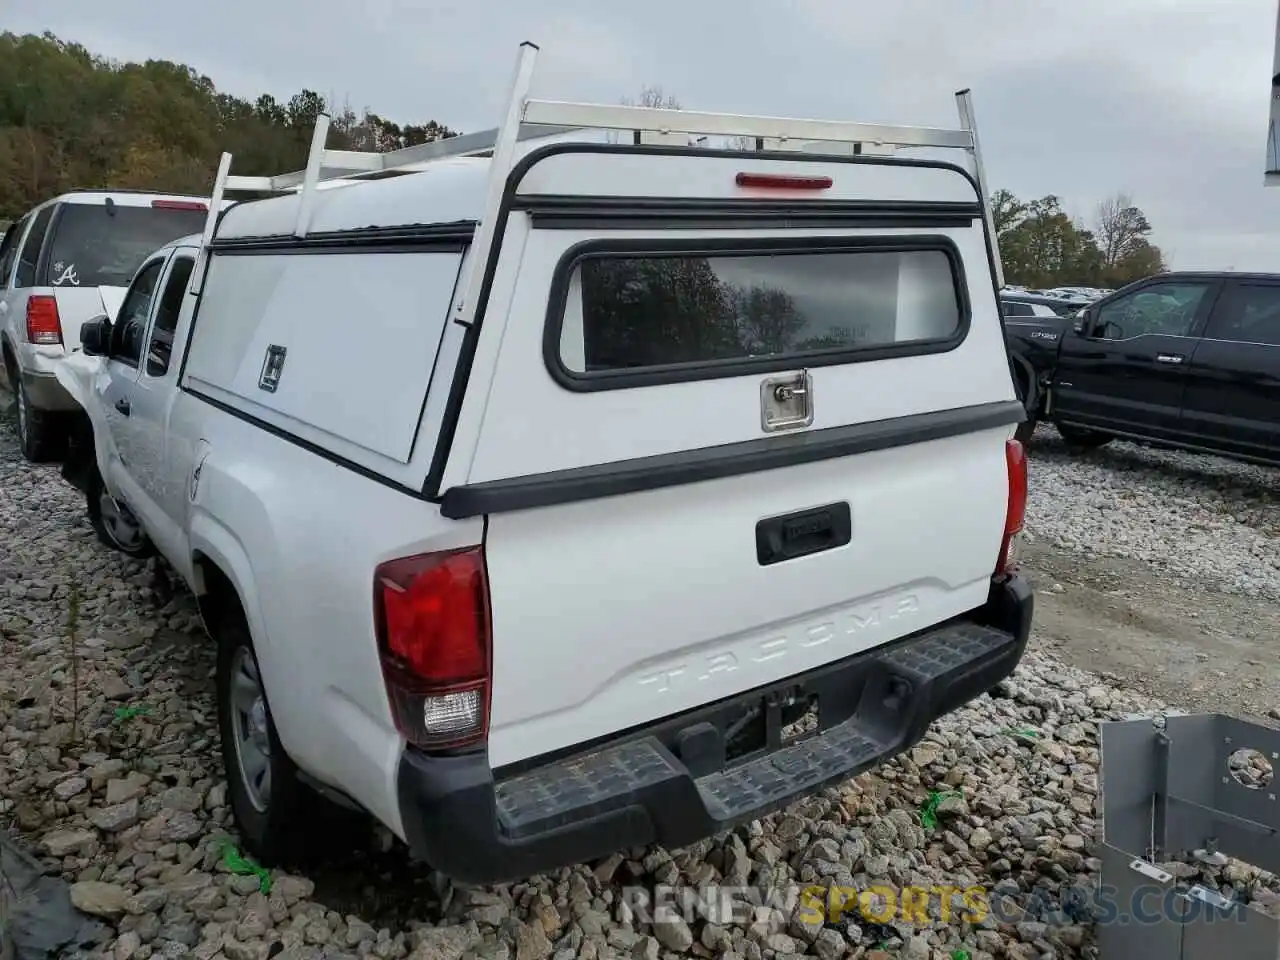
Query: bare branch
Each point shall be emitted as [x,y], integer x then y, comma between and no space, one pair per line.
[653,97]
[1122,229]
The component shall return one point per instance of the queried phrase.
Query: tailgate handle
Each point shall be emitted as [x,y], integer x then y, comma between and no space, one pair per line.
[800,534]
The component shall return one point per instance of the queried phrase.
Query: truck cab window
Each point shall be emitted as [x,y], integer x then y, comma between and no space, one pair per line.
[1167,309]
[131,323]
[161,345]
[1250,314]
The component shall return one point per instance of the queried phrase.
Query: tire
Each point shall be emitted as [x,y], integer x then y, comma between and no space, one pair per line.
[1024,380]
[114,524]
[1080,440]
[274,810]
[40,435]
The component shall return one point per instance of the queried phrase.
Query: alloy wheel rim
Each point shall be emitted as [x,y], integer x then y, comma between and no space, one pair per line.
[249,730]
[120,524]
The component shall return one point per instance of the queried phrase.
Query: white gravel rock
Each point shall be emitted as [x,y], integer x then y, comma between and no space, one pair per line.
[1192,516]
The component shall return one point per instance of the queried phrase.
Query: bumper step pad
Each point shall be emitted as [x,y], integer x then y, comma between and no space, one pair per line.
[623,774]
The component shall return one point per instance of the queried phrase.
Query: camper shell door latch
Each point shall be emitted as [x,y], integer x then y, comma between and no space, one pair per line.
[786,401]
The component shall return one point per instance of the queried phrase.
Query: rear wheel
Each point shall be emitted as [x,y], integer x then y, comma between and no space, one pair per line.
[1080,440]
[113,522]
[1029,394]
[274,810]
[39,433]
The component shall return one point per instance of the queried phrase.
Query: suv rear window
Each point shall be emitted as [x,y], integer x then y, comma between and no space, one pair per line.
[633,310]
[98,246]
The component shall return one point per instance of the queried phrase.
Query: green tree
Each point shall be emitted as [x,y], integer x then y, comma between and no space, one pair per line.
[71,120]
[1041,246]
[1007,211]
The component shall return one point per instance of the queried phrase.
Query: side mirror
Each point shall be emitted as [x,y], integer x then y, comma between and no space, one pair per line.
[1083,322]
[95,336]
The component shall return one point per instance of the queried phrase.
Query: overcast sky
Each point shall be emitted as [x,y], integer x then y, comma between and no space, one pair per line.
[1164,99]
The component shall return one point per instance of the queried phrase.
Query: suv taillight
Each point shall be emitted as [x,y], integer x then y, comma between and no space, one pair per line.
[431,614]
[43,325]
[1015,513]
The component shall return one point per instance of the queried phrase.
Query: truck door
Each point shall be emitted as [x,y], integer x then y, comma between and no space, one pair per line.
[1232,398]
[1126,369]
[116,384]
[152,399]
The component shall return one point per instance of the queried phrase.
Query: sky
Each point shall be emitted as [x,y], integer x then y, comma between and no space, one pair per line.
[1165,100]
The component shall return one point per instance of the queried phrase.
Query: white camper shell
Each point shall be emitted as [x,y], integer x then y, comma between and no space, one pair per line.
[534,489]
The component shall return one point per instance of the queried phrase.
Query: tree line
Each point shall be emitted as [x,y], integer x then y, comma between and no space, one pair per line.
[1042,247]
[70,119]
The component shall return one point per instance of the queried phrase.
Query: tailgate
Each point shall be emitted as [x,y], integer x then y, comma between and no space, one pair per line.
[720,455]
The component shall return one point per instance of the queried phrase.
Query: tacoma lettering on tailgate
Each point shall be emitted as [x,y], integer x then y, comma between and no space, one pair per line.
[801,637]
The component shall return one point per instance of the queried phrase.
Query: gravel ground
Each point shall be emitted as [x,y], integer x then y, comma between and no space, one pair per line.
[109,771]
[1194,518]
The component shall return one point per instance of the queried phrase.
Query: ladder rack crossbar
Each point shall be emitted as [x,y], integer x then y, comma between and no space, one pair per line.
[594,116]
[528,119]
[354,164]
[550,118]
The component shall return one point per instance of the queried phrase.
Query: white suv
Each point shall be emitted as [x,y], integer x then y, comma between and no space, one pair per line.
[66,261]
[589,496]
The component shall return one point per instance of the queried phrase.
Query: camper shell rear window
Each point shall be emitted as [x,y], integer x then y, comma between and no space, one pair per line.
[628,313]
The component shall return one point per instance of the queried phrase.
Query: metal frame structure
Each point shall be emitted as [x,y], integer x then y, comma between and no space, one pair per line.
[527,119]
[1271,165]
[1168,794]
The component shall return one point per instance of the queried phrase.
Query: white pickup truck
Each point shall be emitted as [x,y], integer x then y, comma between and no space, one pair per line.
[562,497]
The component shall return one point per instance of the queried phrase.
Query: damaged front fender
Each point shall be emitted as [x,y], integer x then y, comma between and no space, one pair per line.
[91,441]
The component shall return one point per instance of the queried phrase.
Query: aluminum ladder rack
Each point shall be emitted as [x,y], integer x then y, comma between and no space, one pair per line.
[527,119]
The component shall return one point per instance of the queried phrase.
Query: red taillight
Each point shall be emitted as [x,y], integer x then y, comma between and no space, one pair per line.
[180,205]
[1016,460]
[431,613]
[43,325]
[780,181]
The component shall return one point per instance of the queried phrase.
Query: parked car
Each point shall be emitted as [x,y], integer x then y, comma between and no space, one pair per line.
[1059,305]
[1035,323]
[66,261]
[1188,360]
[1011,307]
[606,529]
[1085,294]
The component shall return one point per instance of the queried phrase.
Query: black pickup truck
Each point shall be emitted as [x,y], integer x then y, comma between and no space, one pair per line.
[1186,360]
